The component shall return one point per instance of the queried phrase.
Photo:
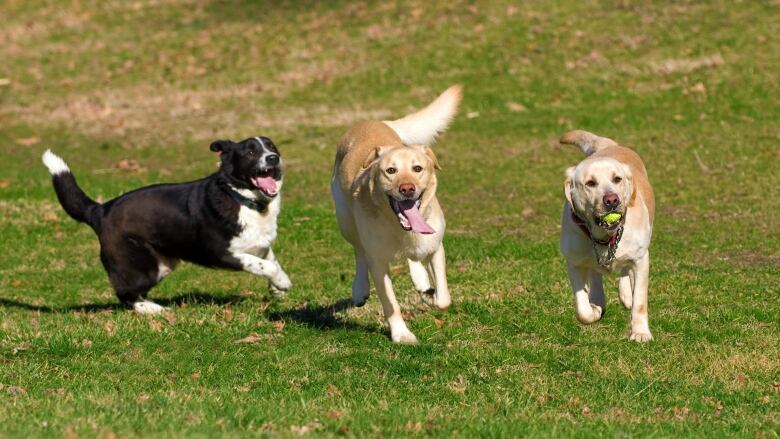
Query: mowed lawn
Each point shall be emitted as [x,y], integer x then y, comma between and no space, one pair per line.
[132,93]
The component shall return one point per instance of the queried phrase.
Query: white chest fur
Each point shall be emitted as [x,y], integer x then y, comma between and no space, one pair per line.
[259,230]
[419,247]
[383,237]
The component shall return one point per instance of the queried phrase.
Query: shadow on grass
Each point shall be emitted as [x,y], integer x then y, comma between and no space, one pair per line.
[315,316]
[322,317]
[195,297]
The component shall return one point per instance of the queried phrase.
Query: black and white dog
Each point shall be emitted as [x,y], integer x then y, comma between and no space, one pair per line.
[226,220]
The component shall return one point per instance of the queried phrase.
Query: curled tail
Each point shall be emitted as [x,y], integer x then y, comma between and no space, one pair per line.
[75,202]
[588,142]
[421,128]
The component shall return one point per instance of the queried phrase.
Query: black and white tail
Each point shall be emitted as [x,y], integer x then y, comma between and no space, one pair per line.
[586,141]
[75,202]
[422,127]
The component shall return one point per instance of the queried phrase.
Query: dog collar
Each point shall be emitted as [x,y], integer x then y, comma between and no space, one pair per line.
[611,243]
[244,201]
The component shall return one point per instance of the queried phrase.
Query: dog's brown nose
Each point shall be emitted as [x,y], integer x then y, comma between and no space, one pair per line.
[406,189]
[611,200]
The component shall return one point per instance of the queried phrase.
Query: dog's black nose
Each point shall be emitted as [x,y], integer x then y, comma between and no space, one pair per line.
[611,200]
[272,159]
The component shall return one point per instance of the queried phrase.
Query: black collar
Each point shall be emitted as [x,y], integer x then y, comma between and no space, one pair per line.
[259,206]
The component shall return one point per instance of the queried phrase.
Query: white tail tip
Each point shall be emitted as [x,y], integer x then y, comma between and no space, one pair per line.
[55,164]
[423,126]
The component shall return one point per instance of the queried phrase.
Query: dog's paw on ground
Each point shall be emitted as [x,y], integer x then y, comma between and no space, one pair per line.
[147,307]
[641,337]
[404,337]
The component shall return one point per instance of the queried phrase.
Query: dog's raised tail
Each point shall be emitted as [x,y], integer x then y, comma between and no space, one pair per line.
[75,202]
[422,127]
[588,142]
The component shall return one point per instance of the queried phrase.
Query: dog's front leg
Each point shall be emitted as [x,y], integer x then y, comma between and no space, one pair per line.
[266,268]
[275,290]
[640,323]
[626,287]
[596,291]
[586,311]
[360,285]
[399,333]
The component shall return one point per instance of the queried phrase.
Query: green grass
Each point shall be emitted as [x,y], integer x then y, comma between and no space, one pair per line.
[692,86]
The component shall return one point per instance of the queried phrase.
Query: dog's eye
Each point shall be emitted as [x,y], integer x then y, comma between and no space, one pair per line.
[391,170]
[417,168]
[590,183]
[617,180]
[251,152]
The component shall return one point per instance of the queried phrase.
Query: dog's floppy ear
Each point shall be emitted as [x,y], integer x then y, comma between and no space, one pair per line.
[631,186]
[568,185]
[374,156]
[429,152]
[221,146]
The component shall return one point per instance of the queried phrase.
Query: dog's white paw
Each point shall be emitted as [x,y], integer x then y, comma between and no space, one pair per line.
[276,292]
[432,298]
[403,336]
[281,281]
[443,301]
[147,307]
[594,315]
[641,336]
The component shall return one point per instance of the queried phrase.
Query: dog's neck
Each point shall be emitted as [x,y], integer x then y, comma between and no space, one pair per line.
[255,203]
[244,197]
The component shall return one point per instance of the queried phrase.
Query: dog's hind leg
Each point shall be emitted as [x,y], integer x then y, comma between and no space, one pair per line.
[586,311]
[626,287]
[133,271]
[360,285]
[399,333]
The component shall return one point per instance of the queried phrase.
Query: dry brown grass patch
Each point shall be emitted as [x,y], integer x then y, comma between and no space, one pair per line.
[144,115]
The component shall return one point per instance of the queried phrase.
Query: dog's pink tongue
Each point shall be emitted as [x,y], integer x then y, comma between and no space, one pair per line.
[416,220]
[267,184]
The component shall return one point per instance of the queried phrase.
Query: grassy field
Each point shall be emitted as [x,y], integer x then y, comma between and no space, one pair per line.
[132,93]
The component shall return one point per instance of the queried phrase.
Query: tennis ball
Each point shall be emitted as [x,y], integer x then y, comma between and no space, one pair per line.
[611,218]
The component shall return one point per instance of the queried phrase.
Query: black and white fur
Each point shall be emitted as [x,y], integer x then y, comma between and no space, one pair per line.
[225,220]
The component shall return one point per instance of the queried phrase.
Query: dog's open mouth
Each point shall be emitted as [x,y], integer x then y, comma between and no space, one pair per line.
[265,180]
[409,216]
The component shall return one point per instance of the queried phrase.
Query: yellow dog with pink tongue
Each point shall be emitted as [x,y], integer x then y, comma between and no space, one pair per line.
[384,189]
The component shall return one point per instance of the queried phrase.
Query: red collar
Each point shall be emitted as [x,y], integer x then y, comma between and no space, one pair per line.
[613,239]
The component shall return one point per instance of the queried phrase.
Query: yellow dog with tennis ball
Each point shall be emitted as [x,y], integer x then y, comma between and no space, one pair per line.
[607,226]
